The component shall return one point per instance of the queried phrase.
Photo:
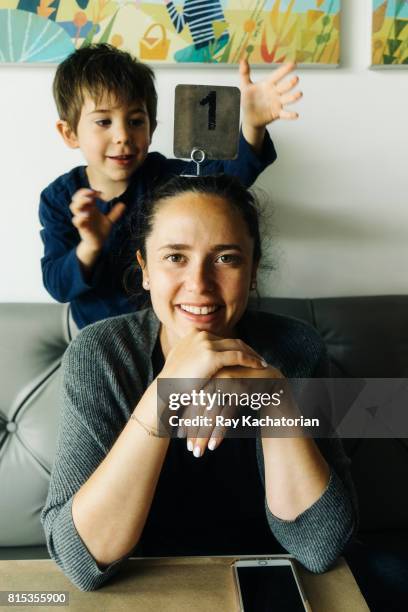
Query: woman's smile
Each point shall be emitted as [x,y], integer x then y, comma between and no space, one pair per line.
[198,309]
[200,314]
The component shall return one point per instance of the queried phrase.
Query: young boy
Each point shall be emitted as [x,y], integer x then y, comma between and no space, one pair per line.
[107,105]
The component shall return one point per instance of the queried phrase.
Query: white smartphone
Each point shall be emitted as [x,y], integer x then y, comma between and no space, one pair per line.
[269,585]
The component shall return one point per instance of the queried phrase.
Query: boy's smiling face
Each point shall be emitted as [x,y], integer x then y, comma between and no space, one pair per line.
[114,139]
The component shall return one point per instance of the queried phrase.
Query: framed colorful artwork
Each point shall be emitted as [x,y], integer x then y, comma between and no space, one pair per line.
[174,32]
[390,33]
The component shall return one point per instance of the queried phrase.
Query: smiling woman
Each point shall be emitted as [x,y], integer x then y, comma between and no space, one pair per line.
[199,266]
[118,487]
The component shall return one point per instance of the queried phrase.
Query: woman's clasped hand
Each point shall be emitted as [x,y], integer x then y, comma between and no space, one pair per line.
[202,360]
[201,354]
[205,357]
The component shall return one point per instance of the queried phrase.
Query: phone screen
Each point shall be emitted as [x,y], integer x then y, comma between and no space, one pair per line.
[269,589]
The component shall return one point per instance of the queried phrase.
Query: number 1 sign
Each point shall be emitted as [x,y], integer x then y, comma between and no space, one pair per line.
[206,118]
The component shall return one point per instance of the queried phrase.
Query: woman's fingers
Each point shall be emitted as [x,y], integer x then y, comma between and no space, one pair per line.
[215,354]
[199,433]
[200,422]
[234,352]
[199,355]
[181,431]
[212,426]
[208,436]
[242,358]
[233,344]
[218,434]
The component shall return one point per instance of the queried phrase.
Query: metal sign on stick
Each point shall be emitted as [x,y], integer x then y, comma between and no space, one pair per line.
[206,122]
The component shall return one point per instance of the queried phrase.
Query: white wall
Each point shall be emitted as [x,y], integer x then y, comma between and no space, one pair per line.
[339,189]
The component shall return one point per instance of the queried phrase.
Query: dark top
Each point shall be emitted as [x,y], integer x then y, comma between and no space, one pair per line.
[103,294]
[164,533]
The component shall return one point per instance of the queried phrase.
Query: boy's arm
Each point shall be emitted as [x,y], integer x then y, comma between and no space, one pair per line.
[63,274]
[246,167]
[262,103]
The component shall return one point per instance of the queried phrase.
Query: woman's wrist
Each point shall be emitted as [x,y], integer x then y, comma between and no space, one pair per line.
[146,411]
[151,431]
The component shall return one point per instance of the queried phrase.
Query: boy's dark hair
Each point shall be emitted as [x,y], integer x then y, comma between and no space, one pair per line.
[141,223]
[99,69]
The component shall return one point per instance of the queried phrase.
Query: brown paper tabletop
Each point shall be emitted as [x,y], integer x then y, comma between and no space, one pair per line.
[185,584]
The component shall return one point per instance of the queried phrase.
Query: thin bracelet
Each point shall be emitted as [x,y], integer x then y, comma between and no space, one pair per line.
[150,430]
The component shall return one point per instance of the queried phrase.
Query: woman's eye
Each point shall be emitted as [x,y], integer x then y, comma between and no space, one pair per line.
[103,122]
[229,259]
[175,258]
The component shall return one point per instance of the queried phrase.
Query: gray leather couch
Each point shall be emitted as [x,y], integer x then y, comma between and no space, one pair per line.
[366,337]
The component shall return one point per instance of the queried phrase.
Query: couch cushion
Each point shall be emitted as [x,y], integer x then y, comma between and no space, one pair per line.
[366,337]
[23,552]
[33,342]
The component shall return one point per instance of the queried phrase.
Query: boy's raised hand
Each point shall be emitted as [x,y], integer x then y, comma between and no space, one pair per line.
[93,226]
[266,101]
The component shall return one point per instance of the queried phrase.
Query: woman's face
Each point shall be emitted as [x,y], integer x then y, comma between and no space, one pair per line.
[199,266]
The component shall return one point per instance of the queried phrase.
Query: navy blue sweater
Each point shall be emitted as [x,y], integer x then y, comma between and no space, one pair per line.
[103,295]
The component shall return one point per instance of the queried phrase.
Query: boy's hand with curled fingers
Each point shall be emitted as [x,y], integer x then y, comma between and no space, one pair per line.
[93,226]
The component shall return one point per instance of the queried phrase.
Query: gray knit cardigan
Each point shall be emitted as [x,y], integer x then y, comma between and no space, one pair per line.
[109,366]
